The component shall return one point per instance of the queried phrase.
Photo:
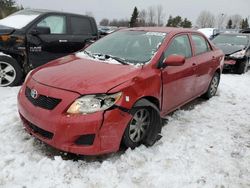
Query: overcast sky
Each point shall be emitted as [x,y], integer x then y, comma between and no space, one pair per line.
[123,8]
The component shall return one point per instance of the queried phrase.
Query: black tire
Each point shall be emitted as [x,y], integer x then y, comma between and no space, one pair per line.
[131,138]
[10,72]
[242,66]
[213,86]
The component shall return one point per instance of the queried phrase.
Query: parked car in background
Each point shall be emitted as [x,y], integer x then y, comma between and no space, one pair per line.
[229,30]
[118,89]
[245,30]
[105,30]
[31,38]
[209,32]
[237,51]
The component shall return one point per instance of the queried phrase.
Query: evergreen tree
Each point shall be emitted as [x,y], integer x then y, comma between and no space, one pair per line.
[170,20]
[229,24]
[134,18]
[186,23]
[244,24]
[178,22]
[8,7]
[247,24]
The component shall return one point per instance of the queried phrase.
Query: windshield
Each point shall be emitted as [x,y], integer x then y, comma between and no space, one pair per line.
[19,19]
[240,40]
[131,46]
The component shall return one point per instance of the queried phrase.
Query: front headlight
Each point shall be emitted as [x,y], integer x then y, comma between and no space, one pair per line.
[239,54]
[93,103]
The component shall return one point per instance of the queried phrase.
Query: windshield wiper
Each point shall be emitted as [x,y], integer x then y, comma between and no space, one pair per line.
[89,54]
[107,56]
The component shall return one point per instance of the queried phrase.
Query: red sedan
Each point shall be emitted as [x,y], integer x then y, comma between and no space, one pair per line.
[118,89]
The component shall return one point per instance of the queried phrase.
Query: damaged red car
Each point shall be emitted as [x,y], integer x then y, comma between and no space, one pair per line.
[118,89]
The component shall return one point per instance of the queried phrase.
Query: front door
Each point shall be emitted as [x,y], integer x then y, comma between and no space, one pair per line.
[43,48]
[178,81]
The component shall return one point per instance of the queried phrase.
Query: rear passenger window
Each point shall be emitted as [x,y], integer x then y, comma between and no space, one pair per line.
[80,26]
[201,45]
[180,45]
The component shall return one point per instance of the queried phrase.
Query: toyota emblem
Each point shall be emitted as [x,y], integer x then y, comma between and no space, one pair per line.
[34,94]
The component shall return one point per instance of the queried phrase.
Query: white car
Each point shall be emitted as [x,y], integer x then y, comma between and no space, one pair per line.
[209,32]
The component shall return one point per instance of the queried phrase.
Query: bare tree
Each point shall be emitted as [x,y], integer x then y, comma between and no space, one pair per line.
[89,13]
[151,16]
[119,23]
[236,21]
[142,17]
[221,21]
[160,15]
[104,22]
[205,19]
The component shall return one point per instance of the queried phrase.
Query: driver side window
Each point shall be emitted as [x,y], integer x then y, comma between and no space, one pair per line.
[57,24]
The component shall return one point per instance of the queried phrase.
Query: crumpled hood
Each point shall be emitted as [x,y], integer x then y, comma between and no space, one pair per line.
[84,76]
[230,49]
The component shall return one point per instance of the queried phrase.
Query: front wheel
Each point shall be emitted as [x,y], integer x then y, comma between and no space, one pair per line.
[143,128]
[10,72]
[213,86]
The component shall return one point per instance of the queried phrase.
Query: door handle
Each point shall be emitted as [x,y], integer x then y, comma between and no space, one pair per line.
[61,41]
[194,64]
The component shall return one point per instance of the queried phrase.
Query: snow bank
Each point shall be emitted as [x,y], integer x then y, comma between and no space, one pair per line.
[204,145]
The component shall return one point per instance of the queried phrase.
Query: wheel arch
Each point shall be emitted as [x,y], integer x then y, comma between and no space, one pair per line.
[148,101]
[152,102]
[218,70]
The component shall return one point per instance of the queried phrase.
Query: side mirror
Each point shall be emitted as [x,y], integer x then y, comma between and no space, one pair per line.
[40,31]
[174,60]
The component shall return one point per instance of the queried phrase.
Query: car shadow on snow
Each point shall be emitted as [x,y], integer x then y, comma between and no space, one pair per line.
[51,152]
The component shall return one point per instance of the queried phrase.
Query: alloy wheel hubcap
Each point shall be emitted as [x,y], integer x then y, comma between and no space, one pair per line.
[139,125]
[7,74]
[214,85]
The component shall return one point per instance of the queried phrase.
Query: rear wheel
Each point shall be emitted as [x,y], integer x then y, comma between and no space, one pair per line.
[10,72]
[213,86]
[142,128]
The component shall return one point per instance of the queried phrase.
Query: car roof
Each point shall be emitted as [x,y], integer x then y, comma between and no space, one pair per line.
[161,29]
[44,11]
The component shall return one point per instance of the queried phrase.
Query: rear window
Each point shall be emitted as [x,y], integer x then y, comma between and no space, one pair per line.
[80,26]
[201,45]
[231,39]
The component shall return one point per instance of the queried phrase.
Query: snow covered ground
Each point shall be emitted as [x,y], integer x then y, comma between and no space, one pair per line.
[206,144]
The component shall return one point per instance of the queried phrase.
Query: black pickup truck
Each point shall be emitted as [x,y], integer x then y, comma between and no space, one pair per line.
[30,38]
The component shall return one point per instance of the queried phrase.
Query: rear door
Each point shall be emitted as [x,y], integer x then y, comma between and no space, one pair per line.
[43,48]
[204,61]
[178,81]
[82,30]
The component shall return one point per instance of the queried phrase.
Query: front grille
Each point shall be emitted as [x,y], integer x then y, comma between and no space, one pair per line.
[37,130]
[42,101]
